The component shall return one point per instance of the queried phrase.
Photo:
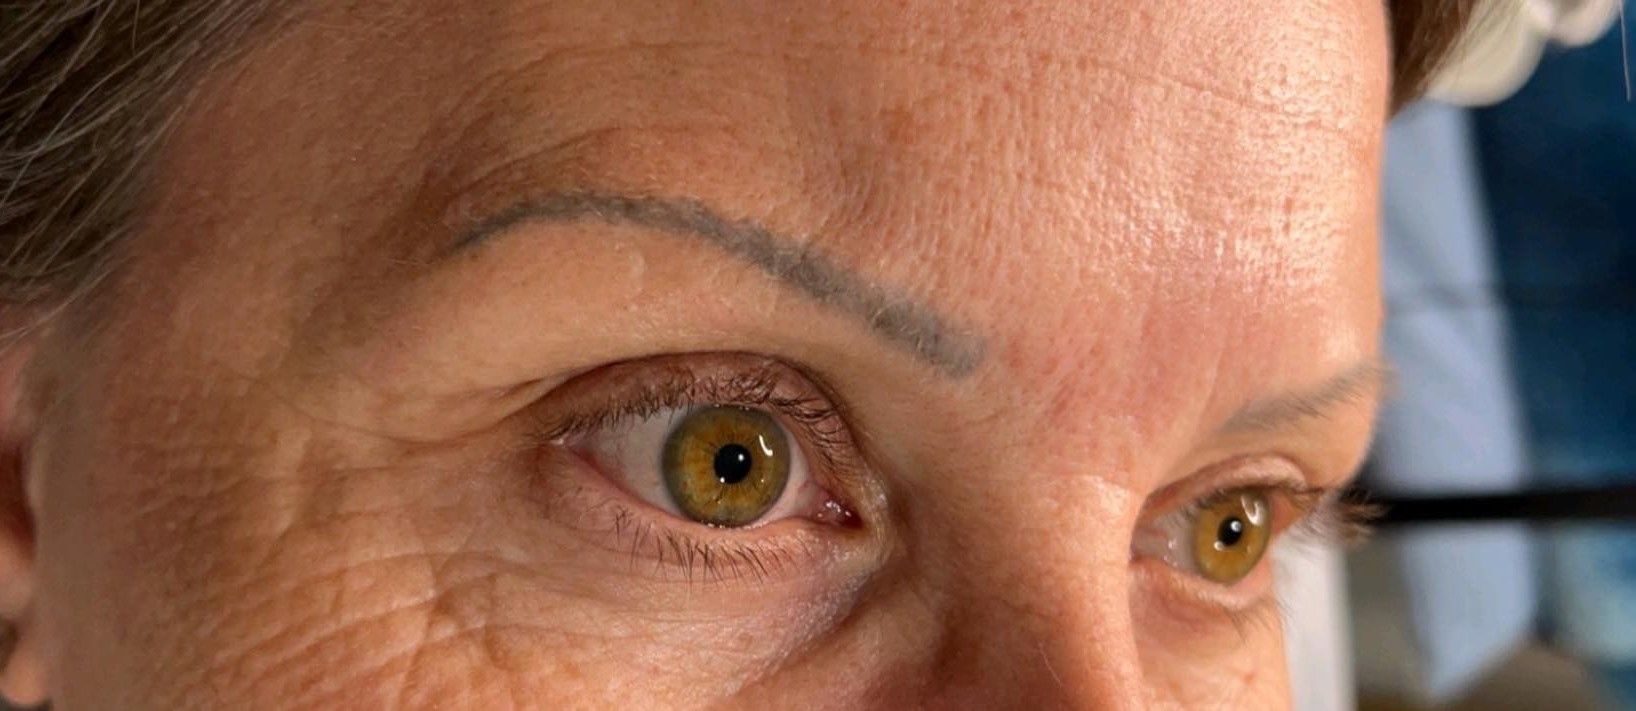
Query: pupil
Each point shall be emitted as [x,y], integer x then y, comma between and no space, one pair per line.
[733,463]
[1230,532]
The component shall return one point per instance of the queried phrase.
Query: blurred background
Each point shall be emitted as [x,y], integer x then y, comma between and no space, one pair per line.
[1503,575]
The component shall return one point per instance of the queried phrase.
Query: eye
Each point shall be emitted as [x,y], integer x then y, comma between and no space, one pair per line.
[722,465]
[715,467]
[1221,538]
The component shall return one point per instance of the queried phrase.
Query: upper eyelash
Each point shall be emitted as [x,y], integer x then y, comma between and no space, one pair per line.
[680,387]
[1322,515]
[1328,516]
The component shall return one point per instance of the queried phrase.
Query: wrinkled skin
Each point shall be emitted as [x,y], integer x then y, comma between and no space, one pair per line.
[289,455]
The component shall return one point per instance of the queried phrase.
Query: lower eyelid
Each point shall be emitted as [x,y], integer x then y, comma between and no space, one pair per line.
[1180,588]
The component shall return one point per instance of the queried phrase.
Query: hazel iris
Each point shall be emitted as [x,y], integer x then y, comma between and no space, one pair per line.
[1230,535]
[726,466]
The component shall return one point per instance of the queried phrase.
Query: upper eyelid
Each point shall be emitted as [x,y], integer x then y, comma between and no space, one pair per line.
[1268,471]
[666,385]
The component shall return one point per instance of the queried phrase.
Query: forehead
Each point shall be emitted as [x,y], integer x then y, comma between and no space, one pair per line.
[1156,186]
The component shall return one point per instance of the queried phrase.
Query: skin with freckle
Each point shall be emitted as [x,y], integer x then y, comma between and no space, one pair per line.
[297,450]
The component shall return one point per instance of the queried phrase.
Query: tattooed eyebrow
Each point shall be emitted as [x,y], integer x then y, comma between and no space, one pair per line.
[906,324]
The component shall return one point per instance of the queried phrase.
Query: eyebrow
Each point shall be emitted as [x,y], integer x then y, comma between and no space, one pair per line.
[1281,411]
[905,324]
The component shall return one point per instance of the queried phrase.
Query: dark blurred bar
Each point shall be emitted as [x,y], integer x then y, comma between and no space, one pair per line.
[1606,503]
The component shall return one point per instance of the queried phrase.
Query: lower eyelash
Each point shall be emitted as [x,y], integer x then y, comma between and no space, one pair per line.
[1266,615]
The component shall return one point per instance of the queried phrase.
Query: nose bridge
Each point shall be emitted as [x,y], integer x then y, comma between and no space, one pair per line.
[1034,582]
[1033,638]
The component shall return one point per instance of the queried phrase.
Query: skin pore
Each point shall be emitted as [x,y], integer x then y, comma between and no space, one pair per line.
[1022,283]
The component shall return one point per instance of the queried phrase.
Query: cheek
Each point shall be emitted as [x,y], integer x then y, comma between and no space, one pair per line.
[219,569]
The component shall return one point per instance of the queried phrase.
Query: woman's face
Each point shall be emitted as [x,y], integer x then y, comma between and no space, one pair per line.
[450,326]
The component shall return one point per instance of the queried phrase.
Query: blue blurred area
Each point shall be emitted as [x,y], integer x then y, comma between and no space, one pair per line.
[1453,424]
[1558,163]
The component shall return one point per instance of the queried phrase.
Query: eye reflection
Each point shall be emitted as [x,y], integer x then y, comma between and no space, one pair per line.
[726,466]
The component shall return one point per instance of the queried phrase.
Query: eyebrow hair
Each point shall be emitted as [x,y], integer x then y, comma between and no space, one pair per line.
[1349,385]
[903,323]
